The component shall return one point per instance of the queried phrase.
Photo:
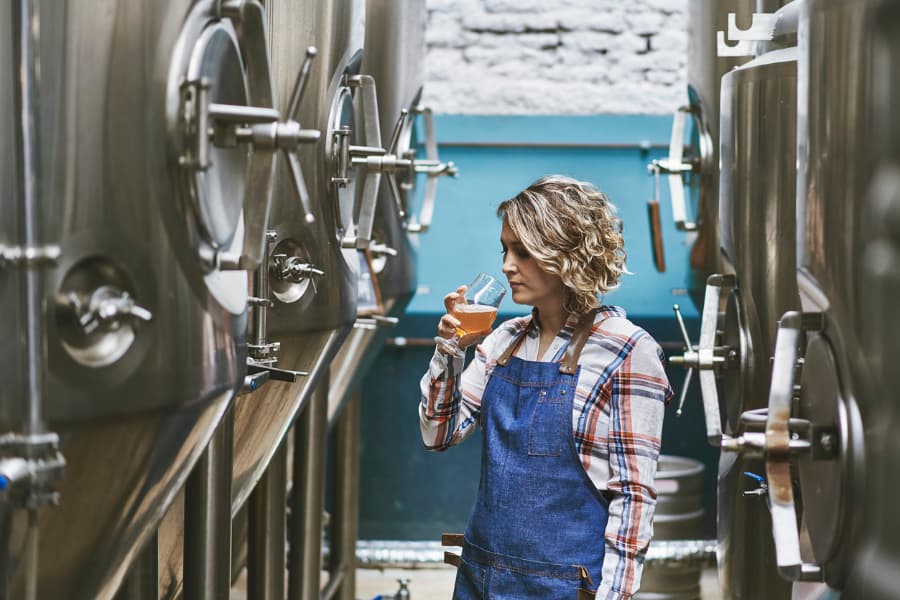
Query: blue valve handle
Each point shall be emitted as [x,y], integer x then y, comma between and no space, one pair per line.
[759,478]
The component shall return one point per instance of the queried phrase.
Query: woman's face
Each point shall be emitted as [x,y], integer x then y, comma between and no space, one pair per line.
[529,283]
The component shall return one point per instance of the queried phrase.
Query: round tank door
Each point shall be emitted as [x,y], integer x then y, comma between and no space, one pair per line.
[217,171]
[834,468]
[223,131]
[353,154]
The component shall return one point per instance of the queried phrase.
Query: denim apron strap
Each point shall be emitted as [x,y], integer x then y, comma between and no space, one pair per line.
[580,337]
[514,344]
[569,362]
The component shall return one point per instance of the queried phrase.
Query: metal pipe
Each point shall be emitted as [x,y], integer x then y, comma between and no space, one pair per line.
[307,498]
[261,292]
[345,515]
[405,554]
[423,342]
[267,520]
[207,519]
[25,44]
[25,32]
[143,577]
[334,585]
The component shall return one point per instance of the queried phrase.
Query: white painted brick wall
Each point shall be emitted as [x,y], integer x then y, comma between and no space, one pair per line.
[555,56]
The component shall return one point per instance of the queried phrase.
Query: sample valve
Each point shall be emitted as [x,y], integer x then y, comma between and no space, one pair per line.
[263,354]
[295,269]
[107,308]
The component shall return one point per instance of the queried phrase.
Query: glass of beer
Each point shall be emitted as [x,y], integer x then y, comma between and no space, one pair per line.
[477,313]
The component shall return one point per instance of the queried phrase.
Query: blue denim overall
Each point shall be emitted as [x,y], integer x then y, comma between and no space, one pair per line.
[537,528]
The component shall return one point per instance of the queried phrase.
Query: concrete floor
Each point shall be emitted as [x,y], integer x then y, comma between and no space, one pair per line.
[437,584]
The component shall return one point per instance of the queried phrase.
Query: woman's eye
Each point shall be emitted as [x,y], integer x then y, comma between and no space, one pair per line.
[523,254]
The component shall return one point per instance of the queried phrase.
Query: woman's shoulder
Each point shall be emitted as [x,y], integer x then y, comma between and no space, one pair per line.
[618,336]
[612,322]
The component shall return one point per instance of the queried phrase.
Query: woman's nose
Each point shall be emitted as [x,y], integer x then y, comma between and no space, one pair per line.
[508,264]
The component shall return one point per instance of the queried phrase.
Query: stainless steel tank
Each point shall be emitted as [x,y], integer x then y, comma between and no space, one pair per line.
[815,424]
[146,309]
[742,304]
[757,228]
[394,56]
[875,575]
[312,266]
[831,414]
[315,302]
[692,164]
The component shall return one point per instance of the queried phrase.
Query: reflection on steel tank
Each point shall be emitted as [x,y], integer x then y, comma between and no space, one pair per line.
[874,574]
[816,415]
[307,291]
[393,56]
[692,166]
[146,305]
[756,285]
[757,228]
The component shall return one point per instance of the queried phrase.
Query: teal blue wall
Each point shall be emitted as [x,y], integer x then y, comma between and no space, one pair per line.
[409,493]
[499,156]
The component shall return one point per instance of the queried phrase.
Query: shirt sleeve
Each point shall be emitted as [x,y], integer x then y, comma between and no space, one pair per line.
[637,392]
[450,405]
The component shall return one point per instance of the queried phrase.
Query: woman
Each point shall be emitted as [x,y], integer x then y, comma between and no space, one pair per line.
[570,400]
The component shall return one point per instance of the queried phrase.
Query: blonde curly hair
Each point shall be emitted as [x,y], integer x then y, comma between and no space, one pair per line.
[571,229]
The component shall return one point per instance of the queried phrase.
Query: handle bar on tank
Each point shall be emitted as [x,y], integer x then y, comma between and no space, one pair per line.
[782,440]
[706,358]
[675,166]
[348,155]
[377,160]
[433,168]
[263,128]
[390,163]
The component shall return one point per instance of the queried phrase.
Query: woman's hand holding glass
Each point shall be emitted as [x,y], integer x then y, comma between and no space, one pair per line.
[471,311]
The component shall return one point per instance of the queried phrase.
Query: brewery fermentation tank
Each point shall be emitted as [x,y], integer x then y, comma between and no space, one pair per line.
[394,55]
[832,413]
[691,167]
[757,228]
[874,575]
[309,294]
[813,423]
[146,308]
[313,278]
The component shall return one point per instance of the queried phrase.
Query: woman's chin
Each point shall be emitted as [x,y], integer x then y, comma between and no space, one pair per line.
[520,298]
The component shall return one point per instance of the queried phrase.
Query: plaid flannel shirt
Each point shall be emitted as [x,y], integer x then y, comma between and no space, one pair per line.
[617,422]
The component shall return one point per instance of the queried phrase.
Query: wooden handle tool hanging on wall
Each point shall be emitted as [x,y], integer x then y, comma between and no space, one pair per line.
[659,257]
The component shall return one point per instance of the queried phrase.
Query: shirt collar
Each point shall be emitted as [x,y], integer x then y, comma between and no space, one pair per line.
[603,312]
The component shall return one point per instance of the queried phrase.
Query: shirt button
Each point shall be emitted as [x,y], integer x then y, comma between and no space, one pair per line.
[543,392]
[562,392]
